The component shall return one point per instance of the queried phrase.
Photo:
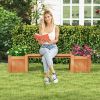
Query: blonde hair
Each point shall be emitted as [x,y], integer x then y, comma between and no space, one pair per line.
[48,12]
[43,23]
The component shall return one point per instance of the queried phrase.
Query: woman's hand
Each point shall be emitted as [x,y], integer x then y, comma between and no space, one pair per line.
[50,42]
[41,42]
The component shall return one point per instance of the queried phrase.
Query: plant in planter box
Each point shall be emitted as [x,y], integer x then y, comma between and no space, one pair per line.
[18,51]
[81,59]
[83,50]
[16,59]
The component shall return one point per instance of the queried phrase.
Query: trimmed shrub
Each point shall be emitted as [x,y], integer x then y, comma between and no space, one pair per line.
[69,35]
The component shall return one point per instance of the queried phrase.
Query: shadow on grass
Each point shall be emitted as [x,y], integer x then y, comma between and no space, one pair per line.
[39,67]
[61,69]
[35,67]
[95,69]
[3,61]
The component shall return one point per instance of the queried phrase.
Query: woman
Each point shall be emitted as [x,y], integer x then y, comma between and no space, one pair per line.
[49,49]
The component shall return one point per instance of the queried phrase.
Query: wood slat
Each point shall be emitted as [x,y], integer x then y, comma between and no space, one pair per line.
[57,56]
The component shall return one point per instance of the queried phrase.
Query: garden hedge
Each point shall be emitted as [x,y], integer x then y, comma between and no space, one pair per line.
[69,35]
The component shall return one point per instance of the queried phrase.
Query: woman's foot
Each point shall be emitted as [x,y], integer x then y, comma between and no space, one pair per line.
[47,80]
[54,78]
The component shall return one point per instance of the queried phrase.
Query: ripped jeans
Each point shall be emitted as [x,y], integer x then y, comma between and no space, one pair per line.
[48,52]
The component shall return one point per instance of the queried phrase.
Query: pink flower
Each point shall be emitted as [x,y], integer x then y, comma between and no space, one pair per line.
[81,51]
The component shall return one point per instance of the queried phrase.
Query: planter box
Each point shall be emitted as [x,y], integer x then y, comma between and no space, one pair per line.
[16,64]
[80,64]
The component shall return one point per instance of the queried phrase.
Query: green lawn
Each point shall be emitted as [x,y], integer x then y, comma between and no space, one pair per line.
[30,86]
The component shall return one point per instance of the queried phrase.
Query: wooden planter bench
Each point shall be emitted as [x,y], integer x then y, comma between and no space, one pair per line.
[39,56]
[77,63]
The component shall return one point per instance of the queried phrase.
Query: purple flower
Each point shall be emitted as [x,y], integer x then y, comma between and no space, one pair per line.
[83,50]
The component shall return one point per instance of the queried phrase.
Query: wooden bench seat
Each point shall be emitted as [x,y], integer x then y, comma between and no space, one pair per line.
[57,56]
[77,63]
[39,56]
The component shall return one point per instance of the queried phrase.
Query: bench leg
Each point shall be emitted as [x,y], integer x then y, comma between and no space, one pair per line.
[71,63]
[26,63]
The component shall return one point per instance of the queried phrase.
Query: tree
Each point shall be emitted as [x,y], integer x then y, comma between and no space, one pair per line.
[21,7]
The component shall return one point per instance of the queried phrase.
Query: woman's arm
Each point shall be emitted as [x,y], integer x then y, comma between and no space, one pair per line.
[56,36]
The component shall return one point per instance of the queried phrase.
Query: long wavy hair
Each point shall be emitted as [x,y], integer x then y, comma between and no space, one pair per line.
[43,23]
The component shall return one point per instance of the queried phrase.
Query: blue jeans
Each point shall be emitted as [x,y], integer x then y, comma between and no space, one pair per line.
[48,52]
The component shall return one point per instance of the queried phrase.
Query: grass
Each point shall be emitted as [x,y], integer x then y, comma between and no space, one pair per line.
[30,86]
